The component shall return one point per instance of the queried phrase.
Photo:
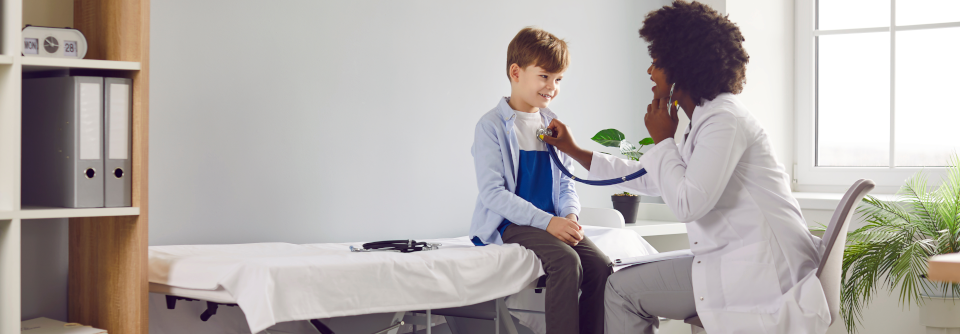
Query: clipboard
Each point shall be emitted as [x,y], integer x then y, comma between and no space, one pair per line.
[632,261]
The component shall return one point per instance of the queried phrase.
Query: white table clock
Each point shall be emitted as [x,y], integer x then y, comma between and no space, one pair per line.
[53,42]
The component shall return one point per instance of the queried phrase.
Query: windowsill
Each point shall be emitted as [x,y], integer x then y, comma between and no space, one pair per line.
[655,219]
[657,216]
[828,201]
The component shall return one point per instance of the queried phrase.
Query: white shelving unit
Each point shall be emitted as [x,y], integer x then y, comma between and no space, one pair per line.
[39,64]
[107,245]
[47,213]
[10,75]
[50,213]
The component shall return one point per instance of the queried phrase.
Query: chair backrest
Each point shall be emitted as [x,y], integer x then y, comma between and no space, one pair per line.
[601,217]
[835,240]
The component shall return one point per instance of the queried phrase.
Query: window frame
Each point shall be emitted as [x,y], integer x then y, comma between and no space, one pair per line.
[808,176]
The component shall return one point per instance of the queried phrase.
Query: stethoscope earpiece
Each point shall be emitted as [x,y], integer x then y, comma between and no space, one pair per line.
[670,100]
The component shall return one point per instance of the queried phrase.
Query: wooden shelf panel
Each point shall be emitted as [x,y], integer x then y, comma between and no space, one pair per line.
[6,60]
[7,215]
[45,213]
[39,64]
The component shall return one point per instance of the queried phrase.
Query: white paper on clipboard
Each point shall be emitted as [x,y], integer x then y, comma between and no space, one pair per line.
[631,261]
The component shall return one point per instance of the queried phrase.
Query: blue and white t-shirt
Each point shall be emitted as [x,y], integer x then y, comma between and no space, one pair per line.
[534,176]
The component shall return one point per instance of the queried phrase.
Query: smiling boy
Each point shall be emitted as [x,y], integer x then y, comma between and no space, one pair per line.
[523,197]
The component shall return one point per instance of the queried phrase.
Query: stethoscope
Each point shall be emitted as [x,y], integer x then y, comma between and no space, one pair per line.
[402,246]
[556,160]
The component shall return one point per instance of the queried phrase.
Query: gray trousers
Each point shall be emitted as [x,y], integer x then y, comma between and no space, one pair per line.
[638,295]
[582,267]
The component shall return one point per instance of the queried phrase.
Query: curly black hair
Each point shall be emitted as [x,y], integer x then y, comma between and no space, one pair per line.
[699,49]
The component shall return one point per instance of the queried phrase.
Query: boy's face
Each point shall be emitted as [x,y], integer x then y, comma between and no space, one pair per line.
[534,85]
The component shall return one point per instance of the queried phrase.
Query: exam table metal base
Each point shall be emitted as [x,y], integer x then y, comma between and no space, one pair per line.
[212,310]
[211,306]
[495,310]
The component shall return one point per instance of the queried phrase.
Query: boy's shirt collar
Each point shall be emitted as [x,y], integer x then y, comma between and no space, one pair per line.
[507,113]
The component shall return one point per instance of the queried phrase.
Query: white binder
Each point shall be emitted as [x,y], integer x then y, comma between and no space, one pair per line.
[117,142]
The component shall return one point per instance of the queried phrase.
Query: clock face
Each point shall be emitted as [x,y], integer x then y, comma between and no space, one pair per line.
[51,44]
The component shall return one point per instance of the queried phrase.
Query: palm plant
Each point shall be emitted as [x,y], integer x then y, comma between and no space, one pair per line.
[892,248]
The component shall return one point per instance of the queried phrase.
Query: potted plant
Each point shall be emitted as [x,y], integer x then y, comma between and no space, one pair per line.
[624,202]
[892,248]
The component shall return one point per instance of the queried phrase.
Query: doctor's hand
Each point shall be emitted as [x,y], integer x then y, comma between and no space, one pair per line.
[566,230]
[661,123]
[563,141]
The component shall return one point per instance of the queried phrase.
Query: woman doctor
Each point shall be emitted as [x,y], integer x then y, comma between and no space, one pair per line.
[755,261]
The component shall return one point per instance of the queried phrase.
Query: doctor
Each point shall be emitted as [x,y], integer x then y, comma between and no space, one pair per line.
[755,261]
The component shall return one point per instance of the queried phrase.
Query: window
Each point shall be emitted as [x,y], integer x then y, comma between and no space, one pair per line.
[874,81]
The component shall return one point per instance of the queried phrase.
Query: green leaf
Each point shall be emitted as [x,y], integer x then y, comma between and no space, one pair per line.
[630,151]
[609,137]
[646,141]
[633,155]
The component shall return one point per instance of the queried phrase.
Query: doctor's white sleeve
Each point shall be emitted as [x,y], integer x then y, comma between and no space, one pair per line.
[604,166]
[691,189]
[491,176]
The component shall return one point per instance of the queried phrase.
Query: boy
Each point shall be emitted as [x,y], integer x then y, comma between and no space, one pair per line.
[523,197]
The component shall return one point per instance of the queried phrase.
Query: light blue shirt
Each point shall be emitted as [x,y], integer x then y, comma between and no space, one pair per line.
[496,155]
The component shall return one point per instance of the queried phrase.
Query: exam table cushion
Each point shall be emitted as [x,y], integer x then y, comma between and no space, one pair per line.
[277,282]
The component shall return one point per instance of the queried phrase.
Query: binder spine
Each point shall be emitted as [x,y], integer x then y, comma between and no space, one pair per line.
[88,144]
[117,142]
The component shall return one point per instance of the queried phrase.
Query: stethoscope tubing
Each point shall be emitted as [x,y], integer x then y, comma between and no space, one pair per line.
[556,161]
[609,182]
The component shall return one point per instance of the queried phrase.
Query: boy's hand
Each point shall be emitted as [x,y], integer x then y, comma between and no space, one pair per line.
[566,230]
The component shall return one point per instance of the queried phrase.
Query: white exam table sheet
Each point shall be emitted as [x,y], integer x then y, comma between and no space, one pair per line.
[278,282]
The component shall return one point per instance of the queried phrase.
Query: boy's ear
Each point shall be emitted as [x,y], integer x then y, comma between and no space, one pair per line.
[514,72]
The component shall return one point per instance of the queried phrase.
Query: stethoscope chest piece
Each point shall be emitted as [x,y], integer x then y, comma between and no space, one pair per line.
[544,132]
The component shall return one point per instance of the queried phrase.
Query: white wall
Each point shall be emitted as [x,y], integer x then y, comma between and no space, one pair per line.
[305,121]
[767,27]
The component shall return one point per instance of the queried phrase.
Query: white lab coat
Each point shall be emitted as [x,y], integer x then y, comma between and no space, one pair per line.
[755,261]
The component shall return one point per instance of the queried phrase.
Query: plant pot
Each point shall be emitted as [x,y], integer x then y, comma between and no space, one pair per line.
[940,312]
[627,205]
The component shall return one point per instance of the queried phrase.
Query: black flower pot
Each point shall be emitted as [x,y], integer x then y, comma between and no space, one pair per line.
[627,205]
